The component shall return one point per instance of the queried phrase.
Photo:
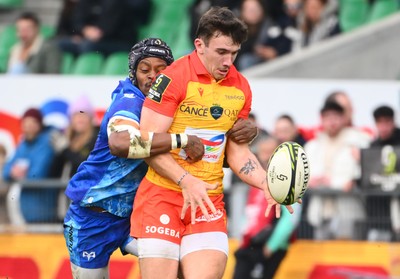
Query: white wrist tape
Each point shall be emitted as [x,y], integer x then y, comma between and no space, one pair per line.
[174,143]
[140,144]
[184,140]
[179,141]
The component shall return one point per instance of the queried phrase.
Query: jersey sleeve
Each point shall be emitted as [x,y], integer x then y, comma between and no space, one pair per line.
[165,94]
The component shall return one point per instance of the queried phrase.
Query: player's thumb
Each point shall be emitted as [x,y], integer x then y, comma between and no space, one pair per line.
[212,186]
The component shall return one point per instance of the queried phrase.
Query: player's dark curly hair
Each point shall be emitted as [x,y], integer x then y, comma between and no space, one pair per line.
[223,21]
[149,47]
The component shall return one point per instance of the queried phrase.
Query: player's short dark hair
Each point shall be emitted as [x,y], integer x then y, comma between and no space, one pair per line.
[29,16]
[332,106]
[221,20]
[383,111]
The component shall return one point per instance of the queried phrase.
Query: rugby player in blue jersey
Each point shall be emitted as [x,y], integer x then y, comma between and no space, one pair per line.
[103,189]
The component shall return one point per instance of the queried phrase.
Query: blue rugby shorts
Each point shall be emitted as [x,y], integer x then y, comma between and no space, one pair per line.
[91,237]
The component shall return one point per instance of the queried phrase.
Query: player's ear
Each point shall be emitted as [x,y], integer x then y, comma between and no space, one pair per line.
[199,45]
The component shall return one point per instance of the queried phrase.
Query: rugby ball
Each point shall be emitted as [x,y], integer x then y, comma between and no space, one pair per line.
[288,173]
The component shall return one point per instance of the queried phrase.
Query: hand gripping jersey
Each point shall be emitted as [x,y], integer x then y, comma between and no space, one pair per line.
[202,107]
[105,180]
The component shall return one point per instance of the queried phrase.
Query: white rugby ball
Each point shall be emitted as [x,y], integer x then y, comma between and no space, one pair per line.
[288,173]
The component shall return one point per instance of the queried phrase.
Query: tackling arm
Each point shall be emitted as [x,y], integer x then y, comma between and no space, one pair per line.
[127,140]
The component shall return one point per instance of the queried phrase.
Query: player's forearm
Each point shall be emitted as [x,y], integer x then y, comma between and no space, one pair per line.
[245,165]
[143,144]
[166,166]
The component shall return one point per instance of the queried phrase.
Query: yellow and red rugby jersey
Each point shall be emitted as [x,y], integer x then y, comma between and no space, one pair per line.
[202,107]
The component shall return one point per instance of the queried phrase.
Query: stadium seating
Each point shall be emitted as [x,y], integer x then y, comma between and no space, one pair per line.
[11,4]
[89,63]
[47,31]
[353,14]
[382,8]
[67,63]
[8,38]
[171,24]
[116,64]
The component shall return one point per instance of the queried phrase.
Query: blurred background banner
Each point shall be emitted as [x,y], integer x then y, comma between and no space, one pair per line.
[43,256]
[272,96]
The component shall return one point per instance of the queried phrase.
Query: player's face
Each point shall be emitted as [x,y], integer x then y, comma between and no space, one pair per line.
[218,56]
[146,70]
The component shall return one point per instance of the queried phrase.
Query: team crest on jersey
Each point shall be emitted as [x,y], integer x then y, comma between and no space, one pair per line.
[216,111]
[158,88]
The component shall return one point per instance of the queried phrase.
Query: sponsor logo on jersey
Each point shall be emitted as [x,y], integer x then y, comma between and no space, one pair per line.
[158,88]
[129,95]
[201,91]
[214,143]
[213,217]
[194,108]
[89,255]
[231,113]
[216,111]
[70,238]
[234,97]
[213,147]
[162,230]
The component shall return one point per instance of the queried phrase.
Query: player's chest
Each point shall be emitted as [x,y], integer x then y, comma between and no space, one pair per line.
[211,102]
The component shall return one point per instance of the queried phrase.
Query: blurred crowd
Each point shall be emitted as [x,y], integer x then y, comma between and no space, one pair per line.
[105,27]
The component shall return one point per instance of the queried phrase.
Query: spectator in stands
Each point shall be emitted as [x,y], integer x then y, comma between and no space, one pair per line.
[277,38]
[334,155]
[265,240]
[343,99]
[285,129]
[32,53]
[65,22]
[199,7]
[317,21]
[387,131]
[104,26]
[388,134]
[252,12]
[32,160]
[74,146]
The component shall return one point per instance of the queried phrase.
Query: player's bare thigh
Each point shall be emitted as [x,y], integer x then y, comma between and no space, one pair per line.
[204,255]
[158,258]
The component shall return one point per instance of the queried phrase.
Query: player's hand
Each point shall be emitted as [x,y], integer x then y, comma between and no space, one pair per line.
[243,131]
[271,203]
[195,195]
[194,149]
